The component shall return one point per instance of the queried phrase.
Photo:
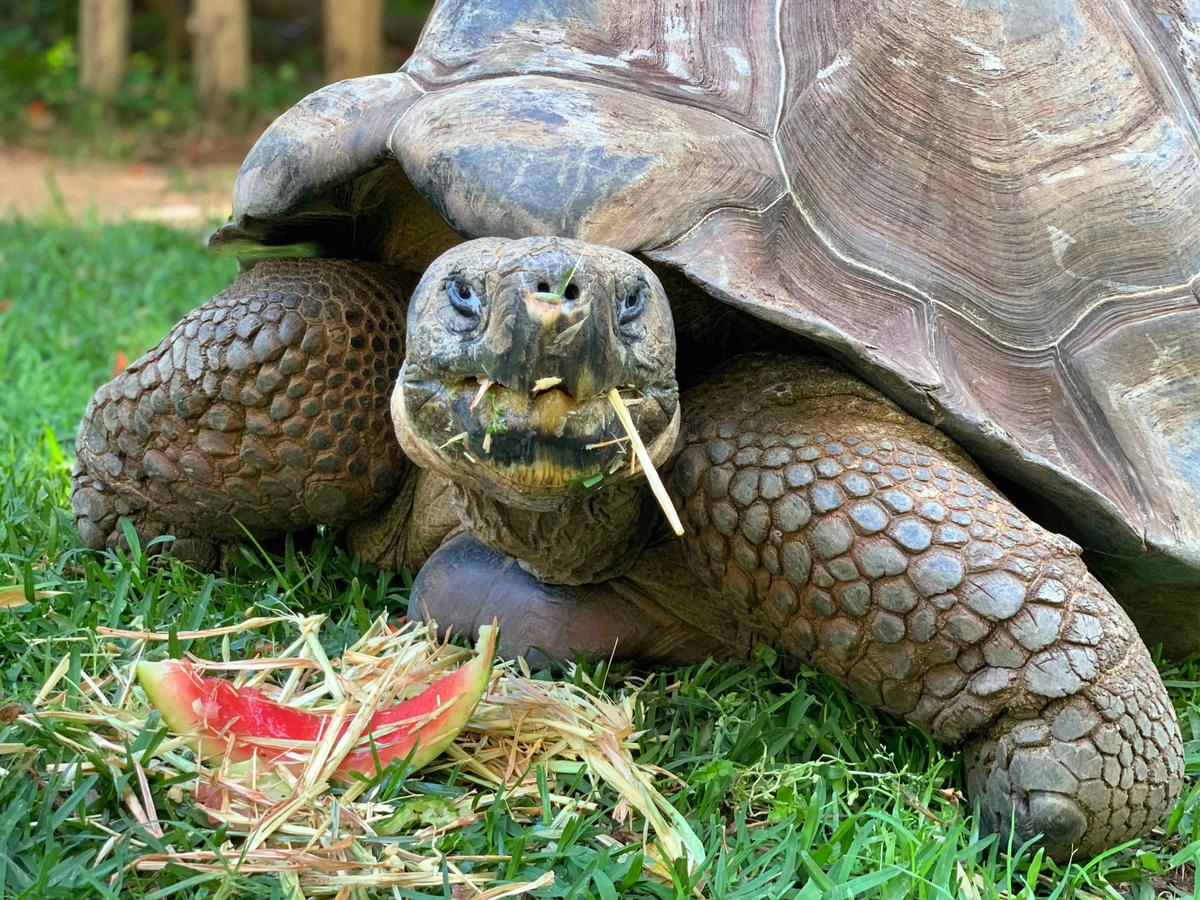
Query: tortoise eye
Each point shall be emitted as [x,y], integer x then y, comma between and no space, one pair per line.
[464,298]
[633,302]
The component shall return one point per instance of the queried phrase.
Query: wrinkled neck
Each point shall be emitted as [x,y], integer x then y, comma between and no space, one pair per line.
[592,536]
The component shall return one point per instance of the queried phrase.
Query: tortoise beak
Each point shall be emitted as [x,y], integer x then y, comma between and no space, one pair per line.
[543,439]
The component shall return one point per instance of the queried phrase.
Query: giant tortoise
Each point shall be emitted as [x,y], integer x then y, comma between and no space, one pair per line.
[892,292]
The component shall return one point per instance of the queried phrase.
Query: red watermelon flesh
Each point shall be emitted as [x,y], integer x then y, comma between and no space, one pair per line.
[232,720]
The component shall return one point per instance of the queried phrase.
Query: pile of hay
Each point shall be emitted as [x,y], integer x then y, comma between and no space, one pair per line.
[323,838]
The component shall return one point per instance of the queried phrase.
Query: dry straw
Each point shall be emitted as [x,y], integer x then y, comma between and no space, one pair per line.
[643,456]
[322,839]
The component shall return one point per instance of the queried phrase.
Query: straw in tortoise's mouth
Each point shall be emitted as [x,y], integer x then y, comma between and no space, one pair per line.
[543,439]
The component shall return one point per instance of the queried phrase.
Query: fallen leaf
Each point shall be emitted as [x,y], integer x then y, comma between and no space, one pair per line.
[9,713]
[14,595]
[121,362]
[952,796]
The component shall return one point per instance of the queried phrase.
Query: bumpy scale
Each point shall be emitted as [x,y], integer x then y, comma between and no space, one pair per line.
[266,406]
[849,533]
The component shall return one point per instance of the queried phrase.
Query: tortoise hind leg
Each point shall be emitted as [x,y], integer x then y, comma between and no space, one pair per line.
[267,406]
[848,532]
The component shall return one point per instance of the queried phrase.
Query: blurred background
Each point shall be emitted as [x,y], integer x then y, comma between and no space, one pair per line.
[143,108]
[122,123]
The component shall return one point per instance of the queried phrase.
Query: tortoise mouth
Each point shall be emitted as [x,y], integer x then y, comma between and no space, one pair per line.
[534,442]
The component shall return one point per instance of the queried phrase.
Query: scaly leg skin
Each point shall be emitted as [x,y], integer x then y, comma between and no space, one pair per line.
[267,406]
[847,532]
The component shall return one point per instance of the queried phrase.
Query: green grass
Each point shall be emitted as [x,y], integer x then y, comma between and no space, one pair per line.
[794,788]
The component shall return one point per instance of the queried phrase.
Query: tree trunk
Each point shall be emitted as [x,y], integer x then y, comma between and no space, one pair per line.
[103,44]
[221,52]
[353,38]
[174,20]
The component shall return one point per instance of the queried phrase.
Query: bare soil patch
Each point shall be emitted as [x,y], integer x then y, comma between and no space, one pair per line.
[35,184]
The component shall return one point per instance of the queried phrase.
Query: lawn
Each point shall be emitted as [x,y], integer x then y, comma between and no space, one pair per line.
[793,788]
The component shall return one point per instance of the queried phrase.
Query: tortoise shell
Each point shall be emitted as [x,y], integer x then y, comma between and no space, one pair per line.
[987,208]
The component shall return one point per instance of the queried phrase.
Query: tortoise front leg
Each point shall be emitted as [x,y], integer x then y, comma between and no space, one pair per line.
[466,584]
[267,406]
[848,532]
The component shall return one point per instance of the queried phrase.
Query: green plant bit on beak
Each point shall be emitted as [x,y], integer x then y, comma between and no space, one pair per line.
[557,293]
[499,422]
[588,481]
[561,287]
[643,456]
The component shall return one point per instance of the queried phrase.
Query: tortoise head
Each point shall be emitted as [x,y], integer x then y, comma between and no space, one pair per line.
[514,347]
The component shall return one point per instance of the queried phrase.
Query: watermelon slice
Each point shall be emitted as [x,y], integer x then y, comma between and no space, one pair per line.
[233,720]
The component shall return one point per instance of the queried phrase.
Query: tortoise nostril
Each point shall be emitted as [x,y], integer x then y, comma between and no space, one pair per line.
[543,287]
[572,291]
